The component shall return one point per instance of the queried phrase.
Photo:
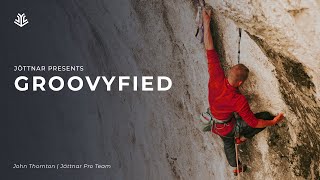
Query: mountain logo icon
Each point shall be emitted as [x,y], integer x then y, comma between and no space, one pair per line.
[21,20]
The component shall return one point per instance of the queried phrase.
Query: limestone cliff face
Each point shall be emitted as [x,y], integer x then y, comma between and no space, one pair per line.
[279,47]
[279,41]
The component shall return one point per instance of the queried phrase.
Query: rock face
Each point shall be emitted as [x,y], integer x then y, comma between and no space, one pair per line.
[278,40]
[278,47]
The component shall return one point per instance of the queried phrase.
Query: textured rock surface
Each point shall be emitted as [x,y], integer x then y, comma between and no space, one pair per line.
[280,45]
[280,51]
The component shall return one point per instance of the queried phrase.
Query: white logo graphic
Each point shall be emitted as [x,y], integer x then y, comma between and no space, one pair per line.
[21,20]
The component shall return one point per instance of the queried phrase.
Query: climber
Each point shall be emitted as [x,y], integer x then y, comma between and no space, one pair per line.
[225,100]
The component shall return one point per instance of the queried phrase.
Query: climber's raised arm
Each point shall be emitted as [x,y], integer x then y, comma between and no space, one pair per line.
[208,43]
[263,123]
[215,70]
[243,109]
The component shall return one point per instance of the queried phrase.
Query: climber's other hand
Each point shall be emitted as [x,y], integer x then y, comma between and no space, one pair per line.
[278,118]
[206,15]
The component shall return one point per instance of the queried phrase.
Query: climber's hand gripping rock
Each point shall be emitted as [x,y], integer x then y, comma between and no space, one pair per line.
[207,38]
[206,15]
[278,118]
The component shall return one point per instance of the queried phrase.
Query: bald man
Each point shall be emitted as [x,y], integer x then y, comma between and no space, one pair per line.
[225,99]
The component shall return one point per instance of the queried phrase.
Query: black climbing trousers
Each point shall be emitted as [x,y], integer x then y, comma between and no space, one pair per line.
[246,131]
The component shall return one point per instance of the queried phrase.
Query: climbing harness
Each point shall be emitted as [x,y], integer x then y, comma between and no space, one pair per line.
[199,22]
[210,121]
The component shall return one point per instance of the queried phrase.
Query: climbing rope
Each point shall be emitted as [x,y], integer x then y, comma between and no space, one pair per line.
[238,134]
[237,159]
[240,30]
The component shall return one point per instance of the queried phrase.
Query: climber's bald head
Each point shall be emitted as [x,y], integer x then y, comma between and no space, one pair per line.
[237,75]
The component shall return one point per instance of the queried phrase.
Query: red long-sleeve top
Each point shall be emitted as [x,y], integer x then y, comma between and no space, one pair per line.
[225,99]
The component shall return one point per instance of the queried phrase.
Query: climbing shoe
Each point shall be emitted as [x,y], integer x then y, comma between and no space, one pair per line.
[242,168]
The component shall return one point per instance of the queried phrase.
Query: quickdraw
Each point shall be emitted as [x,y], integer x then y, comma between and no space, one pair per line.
[200,31]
